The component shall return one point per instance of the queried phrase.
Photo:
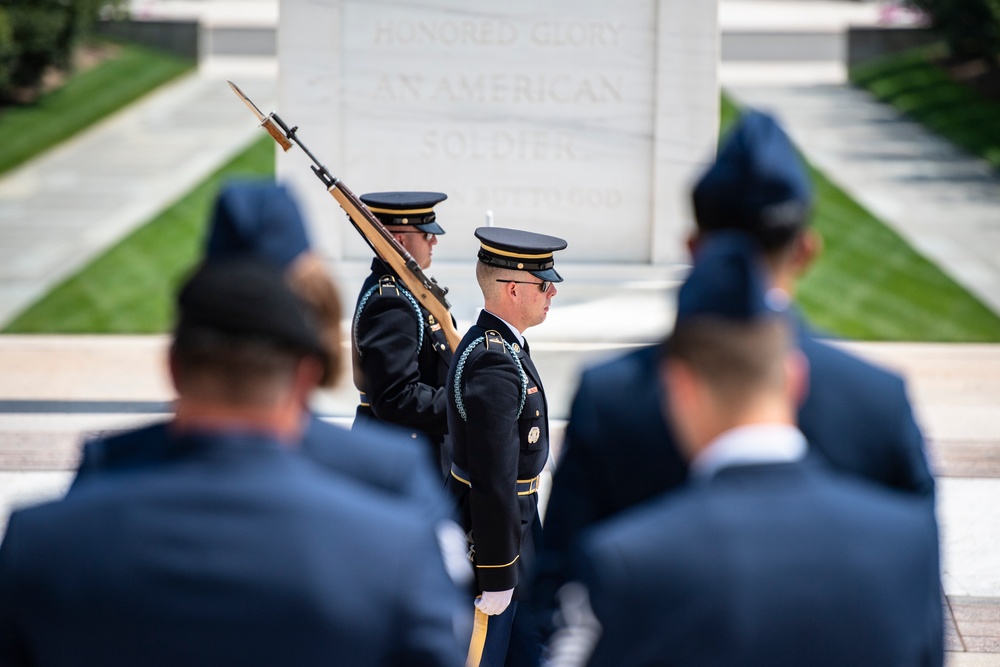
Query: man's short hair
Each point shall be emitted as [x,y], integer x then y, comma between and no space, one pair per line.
[736,360]
[244,369]
[242,329]
[487,277]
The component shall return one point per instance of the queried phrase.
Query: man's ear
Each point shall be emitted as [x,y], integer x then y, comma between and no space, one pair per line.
[174,370]
[797,377]
[807,248]
[308,374]
[693,241]
[683,405]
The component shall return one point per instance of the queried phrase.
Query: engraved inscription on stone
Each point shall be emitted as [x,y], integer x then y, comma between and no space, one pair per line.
[542,114]
[578,118]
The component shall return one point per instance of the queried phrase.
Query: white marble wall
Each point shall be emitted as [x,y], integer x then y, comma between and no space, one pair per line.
[577,118]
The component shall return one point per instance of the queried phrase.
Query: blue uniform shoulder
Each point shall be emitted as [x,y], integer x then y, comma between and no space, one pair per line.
[830,364]
[625,369]
[128,449]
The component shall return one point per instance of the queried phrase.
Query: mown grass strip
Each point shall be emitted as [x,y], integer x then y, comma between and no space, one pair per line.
[85,98]
[869,284]
[130,288]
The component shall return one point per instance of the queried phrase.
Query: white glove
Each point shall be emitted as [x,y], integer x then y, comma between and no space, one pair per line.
[492,603]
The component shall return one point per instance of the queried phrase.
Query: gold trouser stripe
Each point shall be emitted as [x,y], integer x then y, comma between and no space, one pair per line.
[478,641]
[519,255]
[496,566]
[400,211]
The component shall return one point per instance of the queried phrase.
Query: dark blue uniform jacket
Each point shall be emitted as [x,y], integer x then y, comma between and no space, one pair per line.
[401,359]
[229,550]
[771,564]
[499,427]
[619,451]
[376,457]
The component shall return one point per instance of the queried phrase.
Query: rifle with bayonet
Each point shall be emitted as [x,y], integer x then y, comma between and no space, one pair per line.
[426,290]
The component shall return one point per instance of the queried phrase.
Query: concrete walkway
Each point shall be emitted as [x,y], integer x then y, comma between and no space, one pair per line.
[70,204]
[945,203]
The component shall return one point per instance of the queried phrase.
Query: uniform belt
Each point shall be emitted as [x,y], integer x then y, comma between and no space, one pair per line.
[364,400]
[525,487]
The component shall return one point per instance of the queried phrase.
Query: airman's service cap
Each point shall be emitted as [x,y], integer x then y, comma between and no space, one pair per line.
[520,250]
[415,209]
[256,219]
[757,184]
[729,282]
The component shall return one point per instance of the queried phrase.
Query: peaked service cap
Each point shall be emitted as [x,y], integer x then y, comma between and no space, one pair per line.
[415,209]
[520,250]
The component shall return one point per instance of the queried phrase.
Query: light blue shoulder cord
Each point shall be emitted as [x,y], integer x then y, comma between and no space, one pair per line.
[459,403]
[364,301]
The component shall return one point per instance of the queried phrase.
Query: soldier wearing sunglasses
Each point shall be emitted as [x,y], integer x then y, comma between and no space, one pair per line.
[498,421]
[400,355]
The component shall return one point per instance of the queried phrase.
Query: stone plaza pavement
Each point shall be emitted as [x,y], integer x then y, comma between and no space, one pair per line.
[55,390]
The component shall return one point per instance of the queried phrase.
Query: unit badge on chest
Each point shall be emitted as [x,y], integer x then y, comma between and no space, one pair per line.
[534,434]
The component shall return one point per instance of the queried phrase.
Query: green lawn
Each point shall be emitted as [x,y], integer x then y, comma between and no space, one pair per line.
[85,98]
[912,83]
[130,288]
[870,285]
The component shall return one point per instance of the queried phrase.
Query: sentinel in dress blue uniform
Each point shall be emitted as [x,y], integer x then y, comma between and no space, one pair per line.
[498,421]
[400,353]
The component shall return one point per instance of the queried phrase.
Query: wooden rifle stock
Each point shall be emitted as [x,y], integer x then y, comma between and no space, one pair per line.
[426,290]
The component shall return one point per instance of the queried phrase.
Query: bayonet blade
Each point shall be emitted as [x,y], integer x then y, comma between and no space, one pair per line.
[267,122]
[246,100]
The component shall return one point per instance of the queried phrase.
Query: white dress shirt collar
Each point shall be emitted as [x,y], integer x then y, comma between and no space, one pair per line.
[747,445]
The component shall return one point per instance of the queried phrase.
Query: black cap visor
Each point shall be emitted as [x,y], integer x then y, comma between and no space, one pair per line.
[431,227]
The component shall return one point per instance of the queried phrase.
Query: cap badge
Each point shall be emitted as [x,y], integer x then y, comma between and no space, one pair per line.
[534,434]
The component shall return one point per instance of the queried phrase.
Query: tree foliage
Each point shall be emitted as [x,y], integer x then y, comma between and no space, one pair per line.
[971,27]
[38,34]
